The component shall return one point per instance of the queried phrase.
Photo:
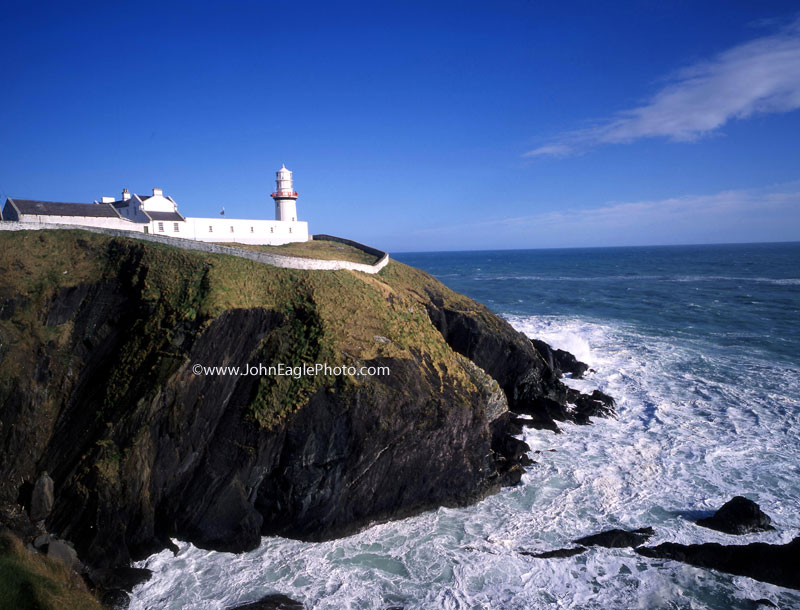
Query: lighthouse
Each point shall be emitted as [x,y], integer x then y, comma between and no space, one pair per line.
[285,196]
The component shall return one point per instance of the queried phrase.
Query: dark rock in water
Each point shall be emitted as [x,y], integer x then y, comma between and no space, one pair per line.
[510,454]
[558,553]
[765,602]
[529,379]
[113,585]
[117,599]
[512,448]
[274,601]
[122,578]
[544,413]
[42,498]
[516,424]
[738,516]
[596,404]
[617,538]
[773,563]
[560,361]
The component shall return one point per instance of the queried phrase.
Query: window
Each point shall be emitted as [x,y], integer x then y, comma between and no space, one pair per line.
[272,229]
[176,227]
[160,227]
[146,229]
[292,218]
[290,229]
[231,228]
[251,229]
[210,229]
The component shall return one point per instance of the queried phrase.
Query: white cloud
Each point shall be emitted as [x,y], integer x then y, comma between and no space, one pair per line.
[758,77]
[733,215]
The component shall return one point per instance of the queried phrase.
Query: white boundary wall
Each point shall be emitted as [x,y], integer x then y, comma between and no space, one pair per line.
[276,260]
[77,222]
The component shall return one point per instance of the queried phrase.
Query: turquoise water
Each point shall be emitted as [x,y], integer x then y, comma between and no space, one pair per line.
[701,348]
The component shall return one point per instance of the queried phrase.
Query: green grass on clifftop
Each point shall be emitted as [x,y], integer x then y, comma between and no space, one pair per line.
[326,250]
[336,317]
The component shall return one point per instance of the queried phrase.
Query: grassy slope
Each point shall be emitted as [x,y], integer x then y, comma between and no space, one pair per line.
[327,250]
[333,316]
[30,580]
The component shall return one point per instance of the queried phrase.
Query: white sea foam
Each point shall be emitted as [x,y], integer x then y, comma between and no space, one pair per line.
[694,429]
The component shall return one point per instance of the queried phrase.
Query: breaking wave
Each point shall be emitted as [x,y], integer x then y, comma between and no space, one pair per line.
[695,427]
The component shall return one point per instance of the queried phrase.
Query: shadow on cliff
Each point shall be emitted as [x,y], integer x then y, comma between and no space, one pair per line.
[141,449]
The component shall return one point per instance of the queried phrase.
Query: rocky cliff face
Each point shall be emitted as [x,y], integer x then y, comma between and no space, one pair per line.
[98,337]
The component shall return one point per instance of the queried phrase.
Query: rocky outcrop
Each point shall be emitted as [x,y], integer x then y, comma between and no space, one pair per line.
[530,381]
[773,563]
[114,584]
[556,554]
[738,516]
[560,361]
[274,601]
[596,404]
[63,552]
[610,539]
[42,498]
[617,538]
[98,389]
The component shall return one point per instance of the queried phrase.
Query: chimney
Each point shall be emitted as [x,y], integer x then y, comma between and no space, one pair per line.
[107,200]
[157,192]
[125,195]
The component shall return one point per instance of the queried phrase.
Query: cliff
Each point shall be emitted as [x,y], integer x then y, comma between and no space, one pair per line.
[98,337]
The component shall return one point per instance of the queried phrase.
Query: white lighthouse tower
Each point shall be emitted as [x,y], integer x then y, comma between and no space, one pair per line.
[285,196]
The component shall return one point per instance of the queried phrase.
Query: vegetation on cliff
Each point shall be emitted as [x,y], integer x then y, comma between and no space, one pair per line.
[30,580]
[331,316]
[98,337]
[325,250]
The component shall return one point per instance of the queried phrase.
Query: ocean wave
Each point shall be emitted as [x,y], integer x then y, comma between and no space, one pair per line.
[695,427]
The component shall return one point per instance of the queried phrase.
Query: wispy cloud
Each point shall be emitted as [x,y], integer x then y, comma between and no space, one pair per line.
[758,77]
[733,215]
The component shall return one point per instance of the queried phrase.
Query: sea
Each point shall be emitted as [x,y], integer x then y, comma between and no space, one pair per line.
[700,347]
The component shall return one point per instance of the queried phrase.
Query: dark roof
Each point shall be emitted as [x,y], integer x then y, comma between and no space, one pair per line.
[57,208]
[164,215]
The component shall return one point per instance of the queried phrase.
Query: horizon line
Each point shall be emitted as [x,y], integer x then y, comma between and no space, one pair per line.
[689,245]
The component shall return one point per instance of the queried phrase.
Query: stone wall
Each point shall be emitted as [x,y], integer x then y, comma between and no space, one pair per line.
[276,260]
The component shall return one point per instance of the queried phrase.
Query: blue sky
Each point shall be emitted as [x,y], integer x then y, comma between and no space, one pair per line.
[419,125]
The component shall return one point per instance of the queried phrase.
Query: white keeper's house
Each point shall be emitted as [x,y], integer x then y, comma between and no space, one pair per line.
[158,214]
